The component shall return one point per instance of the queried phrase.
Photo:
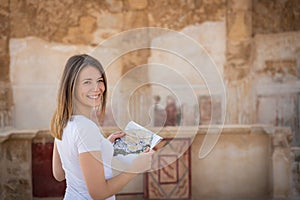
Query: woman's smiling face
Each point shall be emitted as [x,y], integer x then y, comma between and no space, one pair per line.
[89,89]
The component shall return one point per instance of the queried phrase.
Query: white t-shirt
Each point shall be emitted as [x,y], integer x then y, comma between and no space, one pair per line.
[79,136]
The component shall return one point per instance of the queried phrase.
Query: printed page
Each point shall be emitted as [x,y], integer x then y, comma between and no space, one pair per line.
[137,138]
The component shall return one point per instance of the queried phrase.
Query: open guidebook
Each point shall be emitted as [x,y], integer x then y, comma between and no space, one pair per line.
[137,138]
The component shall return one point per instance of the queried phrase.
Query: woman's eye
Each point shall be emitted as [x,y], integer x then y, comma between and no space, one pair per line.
[86,82]
[100,80]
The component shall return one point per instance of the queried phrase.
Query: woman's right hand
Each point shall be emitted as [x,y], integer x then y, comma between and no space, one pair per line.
[143,162]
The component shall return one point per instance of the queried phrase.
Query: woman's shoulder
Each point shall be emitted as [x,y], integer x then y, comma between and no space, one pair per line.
[83,122]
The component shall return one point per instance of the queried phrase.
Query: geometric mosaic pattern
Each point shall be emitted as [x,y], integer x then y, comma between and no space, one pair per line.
[172,179]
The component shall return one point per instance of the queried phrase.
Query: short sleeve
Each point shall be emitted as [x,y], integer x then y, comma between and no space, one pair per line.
[89,137]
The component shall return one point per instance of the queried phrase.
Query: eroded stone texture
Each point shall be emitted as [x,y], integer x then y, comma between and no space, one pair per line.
[138,4]
[4,38]
[238,61]
[282,164]
[16,179]
[6,103]
[295,183]
[5,88]
[55,20]
[178,14]
[83,32]
[239,31]
[276,57]
[276,16]
[2,169]
[281,70]
[276,65]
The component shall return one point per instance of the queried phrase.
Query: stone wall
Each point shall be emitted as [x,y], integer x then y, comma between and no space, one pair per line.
[277,79]
[98,21]
[16,176]
[65,24]
[275,16]
[248,162]
[69,31]
[262,60]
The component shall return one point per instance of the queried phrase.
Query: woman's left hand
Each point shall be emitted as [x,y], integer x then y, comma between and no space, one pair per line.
[112,137]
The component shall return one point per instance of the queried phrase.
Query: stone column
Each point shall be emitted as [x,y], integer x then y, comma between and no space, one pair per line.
[282,163]
[237,70]
[140,99]
[5,85]
[295,173]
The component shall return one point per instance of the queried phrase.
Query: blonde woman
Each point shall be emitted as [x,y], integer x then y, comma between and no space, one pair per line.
[81,154]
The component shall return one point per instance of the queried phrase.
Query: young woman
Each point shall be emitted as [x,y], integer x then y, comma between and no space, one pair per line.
[81,154]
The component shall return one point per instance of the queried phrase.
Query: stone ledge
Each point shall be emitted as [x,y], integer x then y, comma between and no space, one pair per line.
[17,134]
[185,131]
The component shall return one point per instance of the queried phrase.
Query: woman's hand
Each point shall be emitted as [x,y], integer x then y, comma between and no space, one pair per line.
[143,162]
[112,137]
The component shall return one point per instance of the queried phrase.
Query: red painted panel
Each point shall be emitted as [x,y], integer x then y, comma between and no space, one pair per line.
[43,182]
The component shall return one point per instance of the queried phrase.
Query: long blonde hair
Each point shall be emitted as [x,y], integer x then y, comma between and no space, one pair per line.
[64,108]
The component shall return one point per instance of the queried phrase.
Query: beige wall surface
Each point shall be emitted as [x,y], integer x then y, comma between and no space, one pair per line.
[238,166]
[35,70]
